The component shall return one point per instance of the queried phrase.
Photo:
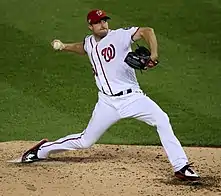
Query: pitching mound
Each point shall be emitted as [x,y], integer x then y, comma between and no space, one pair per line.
[107,170]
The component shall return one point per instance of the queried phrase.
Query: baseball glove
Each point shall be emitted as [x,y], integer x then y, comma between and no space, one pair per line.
[140,59]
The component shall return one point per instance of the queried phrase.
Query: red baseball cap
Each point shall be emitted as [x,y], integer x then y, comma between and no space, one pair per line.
[95,16]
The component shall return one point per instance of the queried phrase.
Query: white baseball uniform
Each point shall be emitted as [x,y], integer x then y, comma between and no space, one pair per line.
[119,97]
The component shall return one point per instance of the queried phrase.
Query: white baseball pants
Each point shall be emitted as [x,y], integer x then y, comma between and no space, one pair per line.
[108,111]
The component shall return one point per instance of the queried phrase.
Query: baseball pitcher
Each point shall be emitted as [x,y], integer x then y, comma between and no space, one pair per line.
[119,95]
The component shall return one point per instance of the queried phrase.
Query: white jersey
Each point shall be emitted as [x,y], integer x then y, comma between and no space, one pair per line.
[107,56]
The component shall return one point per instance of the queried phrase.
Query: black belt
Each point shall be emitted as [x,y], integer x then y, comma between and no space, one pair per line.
[123,92]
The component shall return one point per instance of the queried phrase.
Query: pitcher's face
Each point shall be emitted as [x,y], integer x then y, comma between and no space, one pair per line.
[100,29]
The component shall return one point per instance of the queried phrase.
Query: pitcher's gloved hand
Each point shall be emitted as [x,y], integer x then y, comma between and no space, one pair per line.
[140,59]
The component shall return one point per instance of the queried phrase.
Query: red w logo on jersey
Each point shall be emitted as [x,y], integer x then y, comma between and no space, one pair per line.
[108,53]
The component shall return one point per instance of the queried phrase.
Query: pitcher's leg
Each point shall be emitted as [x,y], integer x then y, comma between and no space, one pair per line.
[146,110]
[102,118]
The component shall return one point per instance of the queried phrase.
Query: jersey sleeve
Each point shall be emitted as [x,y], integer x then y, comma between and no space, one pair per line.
[85,43]
[127,35]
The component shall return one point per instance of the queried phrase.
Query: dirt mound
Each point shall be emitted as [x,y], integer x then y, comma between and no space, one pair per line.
[107,170]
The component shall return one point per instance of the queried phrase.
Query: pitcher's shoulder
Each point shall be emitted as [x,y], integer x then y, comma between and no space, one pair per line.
[122,30]
[87,37]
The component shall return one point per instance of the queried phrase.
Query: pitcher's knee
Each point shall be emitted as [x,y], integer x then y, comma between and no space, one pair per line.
[166,117]
[162,119]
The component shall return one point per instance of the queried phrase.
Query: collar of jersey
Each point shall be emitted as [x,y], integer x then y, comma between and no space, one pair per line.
[109,30]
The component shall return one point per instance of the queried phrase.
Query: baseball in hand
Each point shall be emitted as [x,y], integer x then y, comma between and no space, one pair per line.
[57,45]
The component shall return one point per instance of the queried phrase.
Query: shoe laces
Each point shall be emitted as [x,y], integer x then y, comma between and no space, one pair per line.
[188,168]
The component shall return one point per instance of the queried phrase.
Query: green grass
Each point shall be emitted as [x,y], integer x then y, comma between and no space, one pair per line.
[50,94]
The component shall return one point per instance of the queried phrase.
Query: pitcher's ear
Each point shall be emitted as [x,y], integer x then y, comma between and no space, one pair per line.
[90,27]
